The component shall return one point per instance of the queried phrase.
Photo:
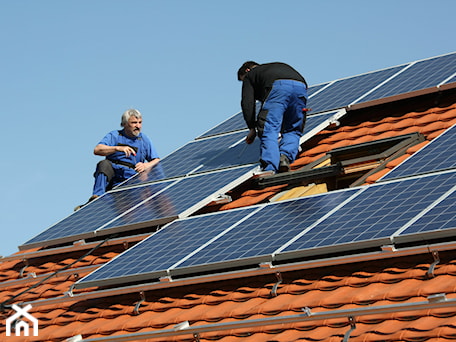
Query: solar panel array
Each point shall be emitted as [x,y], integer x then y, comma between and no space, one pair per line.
[150,204]
[218,160]
[415,198]
[344,220]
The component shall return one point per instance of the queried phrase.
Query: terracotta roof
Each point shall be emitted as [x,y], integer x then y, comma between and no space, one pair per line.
[389,299]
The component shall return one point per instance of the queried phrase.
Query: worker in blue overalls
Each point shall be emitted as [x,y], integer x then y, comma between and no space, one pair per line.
[127,152]
[283,93]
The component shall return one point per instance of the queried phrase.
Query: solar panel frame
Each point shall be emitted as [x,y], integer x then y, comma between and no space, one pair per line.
[85,222]
[155,255]
[256,239]
[343,92]
[436,222]
[359,224]
[420,75]
[436,156]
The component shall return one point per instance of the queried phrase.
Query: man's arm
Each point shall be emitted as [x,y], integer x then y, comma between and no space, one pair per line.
[248,103]
[105,150]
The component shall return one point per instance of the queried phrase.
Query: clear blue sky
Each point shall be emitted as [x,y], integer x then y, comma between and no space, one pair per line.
[70,68]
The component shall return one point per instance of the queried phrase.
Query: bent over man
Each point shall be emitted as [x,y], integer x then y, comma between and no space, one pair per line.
[283,93]
[127,152]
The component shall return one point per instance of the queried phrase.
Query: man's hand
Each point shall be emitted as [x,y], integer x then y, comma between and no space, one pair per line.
[250,136]
[140,167]
[127,150]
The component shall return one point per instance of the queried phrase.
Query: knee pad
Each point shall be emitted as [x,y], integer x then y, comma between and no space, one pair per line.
[261,120]
[105,167]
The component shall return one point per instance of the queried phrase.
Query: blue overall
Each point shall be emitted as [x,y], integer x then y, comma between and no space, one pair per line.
[145,152]
[282,113]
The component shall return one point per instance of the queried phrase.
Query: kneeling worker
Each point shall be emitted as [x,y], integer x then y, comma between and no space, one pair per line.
[127,152]
[283,93]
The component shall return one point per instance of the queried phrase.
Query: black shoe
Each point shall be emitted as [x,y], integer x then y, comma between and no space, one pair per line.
[284,164]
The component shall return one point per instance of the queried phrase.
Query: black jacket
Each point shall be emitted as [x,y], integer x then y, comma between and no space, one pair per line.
[258,82]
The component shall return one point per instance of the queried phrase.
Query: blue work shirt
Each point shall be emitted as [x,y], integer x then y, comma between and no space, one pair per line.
[142,144]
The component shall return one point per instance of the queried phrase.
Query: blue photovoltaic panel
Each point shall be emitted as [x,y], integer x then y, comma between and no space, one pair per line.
[313,89]
[373,216]
[154,255]
[346,91]
[314,121]
[440,219]
[268,229]
[188,158]
[97,213]
[439,154]
[235,123]
[180,197]
[239,154]
[421,75]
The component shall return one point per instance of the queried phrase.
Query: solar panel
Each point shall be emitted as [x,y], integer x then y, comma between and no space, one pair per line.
[85,221]
[234,123]
[420,75]
[313,90]
[345,91]
[261,234]
[155,255]
[240,153]
[182,198]
[435,156]
[437,222]
[372,217]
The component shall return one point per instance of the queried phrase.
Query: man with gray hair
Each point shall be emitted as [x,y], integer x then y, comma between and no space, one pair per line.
[127,152]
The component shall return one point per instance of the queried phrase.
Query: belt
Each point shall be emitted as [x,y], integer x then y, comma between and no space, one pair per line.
[124,163]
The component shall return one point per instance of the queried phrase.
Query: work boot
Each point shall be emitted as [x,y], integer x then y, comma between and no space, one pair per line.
[284,164]
[90,200]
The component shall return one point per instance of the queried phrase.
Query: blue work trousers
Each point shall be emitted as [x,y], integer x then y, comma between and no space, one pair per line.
[109,175]
[282,114]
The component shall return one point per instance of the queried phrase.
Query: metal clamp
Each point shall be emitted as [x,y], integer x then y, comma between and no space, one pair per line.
[351,320]
[276,285]
[430,271]
[138,304]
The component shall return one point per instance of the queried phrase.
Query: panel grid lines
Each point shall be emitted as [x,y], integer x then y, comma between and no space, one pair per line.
[376,213]
[435,156]
[166,247]
[267,230]
[439,218]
